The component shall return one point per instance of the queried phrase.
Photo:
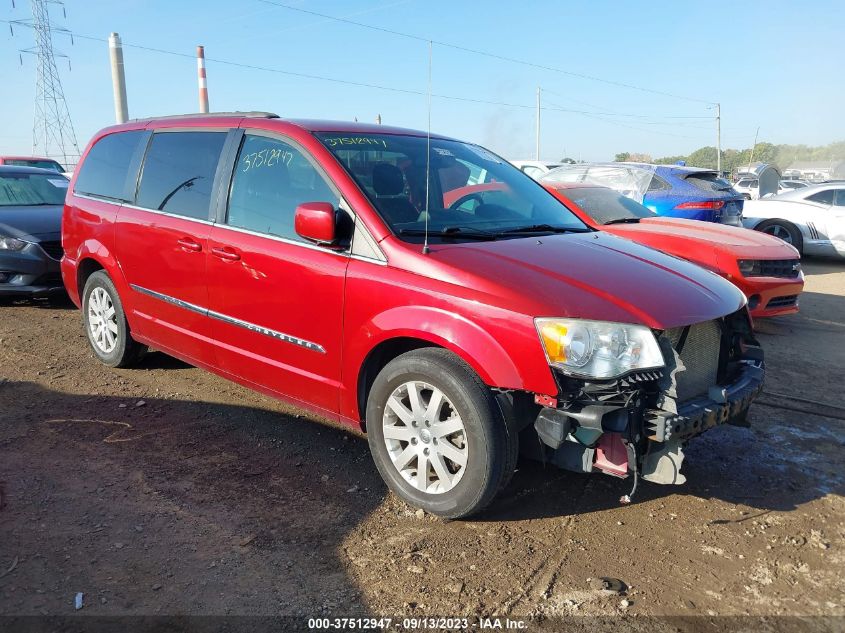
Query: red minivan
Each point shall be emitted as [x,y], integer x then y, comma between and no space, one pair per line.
[317,262]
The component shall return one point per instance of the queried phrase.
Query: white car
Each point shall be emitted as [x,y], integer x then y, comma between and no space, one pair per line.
[748,187]
[535,168]
[812,219]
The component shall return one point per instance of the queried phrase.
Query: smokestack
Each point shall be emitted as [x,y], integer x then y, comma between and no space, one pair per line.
[203,85]
[118,78]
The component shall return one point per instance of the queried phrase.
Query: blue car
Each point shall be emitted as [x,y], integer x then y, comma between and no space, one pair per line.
[670,190]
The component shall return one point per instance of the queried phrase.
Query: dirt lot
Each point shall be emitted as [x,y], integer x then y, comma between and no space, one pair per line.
[166,490]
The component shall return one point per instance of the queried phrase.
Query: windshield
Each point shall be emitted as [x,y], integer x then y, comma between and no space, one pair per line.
[606,205]
[42,164]
[22,189]
[473,194]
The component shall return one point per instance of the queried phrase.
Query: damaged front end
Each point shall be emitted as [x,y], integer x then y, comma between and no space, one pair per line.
[639,422]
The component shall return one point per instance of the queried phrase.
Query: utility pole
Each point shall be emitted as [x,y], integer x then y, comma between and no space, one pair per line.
[52,129]
[719,139]
[201,80]
[118,78]
[753,147]
[537,150]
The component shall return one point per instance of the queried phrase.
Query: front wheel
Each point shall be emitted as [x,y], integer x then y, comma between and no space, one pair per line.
[437,434]
[105,323]
[784,230]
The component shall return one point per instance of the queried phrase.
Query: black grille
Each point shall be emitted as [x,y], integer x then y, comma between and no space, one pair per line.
[53,249]
[779,267]
[782,302]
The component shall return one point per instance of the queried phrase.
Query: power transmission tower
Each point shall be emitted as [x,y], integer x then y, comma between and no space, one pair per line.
[52,130]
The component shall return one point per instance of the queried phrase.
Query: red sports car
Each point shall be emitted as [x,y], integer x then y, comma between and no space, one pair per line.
[766,269]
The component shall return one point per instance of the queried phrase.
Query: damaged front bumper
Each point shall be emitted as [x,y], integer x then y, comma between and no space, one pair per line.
[722,405]
[639,424]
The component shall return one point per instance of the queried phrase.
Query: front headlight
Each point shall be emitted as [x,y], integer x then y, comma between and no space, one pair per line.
[598,349]
[749,267]
[11,244]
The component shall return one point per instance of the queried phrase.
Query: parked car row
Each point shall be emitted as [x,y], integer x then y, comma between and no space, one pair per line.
[422,290]
[668,190]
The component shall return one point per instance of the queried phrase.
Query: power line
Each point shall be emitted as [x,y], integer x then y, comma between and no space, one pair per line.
[347,82]
[52,130]
[599,116]
[474,51]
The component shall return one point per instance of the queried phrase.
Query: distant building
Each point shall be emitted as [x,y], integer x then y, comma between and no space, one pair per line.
[815,170]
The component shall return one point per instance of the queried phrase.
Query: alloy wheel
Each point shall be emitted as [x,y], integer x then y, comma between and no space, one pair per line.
[425,437]
[780,232]
[102,320]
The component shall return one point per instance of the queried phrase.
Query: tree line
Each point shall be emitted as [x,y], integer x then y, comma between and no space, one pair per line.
[733,159]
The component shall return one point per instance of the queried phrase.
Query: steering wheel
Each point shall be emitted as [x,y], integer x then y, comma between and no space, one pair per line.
[460,201]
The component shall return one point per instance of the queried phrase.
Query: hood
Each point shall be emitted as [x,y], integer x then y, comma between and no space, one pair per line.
[679,236]
[32,223]
[591,276]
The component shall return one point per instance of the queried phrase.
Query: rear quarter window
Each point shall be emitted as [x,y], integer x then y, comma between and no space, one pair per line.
[107,170]
[822,197]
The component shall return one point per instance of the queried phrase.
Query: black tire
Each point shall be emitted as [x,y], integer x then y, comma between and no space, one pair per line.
[126,351]
[772,227]
[490,448]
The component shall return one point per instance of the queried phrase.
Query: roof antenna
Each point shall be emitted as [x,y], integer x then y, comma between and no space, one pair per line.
[428,155]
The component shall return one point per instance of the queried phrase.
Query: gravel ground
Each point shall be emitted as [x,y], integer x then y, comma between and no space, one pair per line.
[167,490]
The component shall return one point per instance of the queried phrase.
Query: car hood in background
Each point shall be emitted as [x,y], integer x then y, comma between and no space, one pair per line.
[591,275]
[679,236]
[32,223]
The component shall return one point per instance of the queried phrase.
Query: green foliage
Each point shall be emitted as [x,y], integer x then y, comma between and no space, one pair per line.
[622,157]
[733,159]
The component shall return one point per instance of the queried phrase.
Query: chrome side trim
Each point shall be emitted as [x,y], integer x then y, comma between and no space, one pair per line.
[287,338]
[283,240]
[168,214]
[171,300]
[281,336]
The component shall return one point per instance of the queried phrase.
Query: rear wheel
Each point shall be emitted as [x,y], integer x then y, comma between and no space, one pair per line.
[105,323]
[436,433]
[784,230]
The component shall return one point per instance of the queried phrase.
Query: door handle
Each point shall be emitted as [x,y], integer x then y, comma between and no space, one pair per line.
[226,254]
[187,244]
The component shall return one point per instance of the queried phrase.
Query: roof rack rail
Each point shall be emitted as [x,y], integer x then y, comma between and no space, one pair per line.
[248,115]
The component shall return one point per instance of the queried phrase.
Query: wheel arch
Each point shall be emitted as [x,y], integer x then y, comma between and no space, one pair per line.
[389,336]
[93,256]
[377,359]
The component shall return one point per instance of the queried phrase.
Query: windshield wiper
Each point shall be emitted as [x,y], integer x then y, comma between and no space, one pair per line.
[466,232]
[542,228]
[623,221]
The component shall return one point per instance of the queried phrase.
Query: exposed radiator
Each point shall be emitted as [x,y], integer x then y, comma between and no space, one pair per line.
[700,355]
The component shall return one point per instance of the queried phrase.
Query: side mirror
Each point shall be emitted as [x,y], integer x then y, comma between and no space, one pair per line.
[316,222]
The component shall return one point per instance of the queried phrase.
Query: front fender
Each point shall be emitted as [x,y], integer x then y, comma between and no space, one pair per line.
[454,332]
[480,349]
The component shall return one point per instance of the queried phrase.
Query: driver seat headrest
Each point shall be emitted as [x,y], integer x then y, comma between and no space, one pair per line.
[388,179]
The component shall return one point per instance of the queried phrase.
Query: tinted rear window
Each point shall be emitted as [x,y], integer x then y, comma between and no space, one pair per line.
[178,173]
[105,172]
[708,182]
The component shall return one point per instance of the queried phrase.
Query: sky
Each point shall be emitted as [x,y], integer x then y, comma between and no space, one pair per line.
[770,65]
